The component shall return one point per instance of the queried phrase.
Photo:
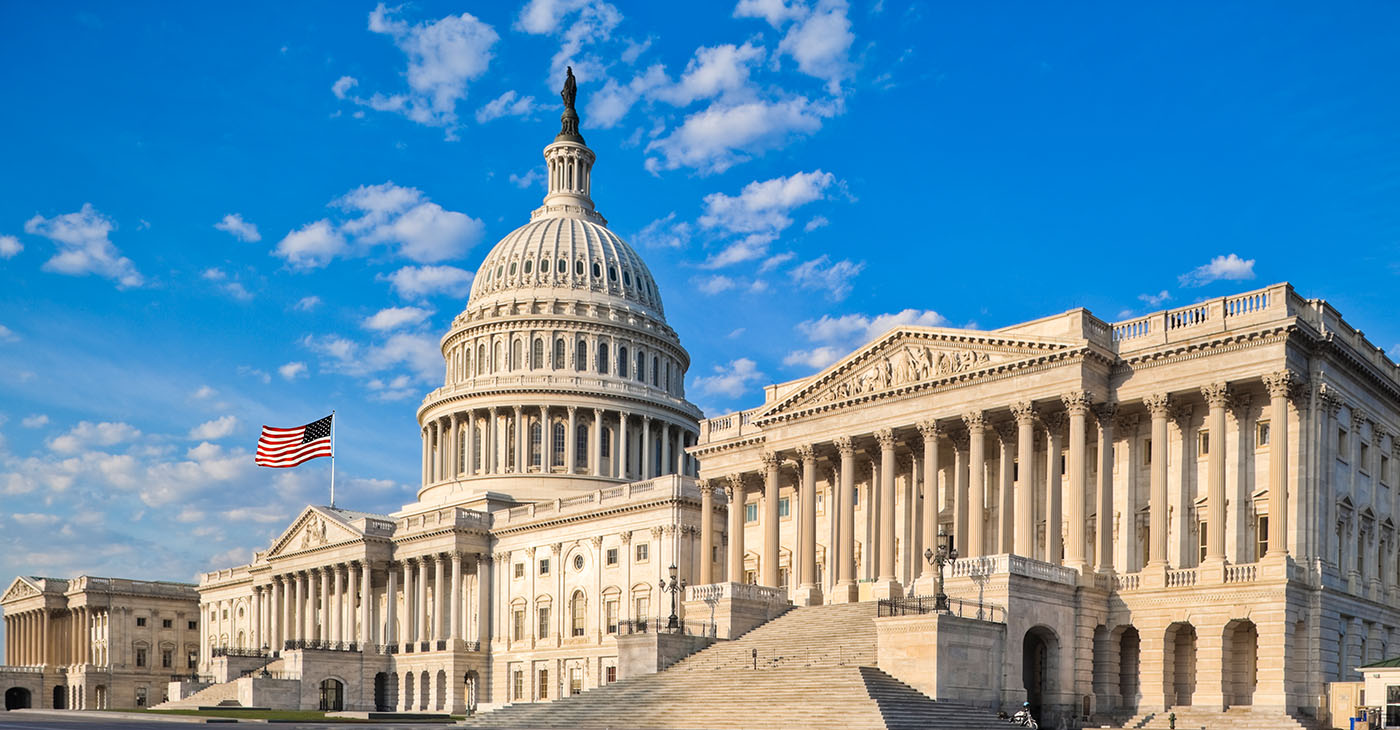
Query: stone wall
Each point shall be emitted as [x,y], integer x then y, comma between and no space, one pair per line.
[945,657]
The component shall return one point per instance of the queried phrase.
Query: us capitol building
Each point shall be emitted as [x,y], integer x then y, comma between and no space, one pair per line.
[1192,511]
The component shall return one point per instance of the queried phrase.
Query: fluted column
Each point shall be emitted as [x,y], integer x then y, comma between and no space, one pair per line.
[1159,406]
[257,637]
[488,445]
[518,448]
[930,432]
[366,604]
[547,442]
[976,483]
[1025,476]
[622,460]
[439,624]
[1280,386]
[303,586]
[571,442]
[707,531]
[410,615]
[1077,405]
[735,493]
[427,456]
[596,443]
[887,583]
[646,447]
[1103,521]
[483,598]
[454,626]
[768,565]
[809,591]
[323,613]
[1054,498]
[469,443]
[961,442]
[391,605]
[1217,397]
[1006,493]
[845,542]
[421,599]
[664,467]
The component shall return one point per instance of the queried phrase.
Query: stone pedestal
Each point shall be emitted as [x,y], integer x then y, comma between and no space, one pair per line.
[925,586]
[887,589]
[946,657]
[809,595]
[733,608]
[844,593]
[649,653]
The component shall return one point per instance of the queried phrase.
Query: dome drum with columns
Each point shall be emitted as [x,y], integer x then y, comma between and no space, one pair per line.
[561,365]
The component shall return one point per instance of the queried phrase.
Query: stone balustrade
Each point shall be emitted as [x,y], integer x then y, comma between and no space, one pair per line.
[736,591]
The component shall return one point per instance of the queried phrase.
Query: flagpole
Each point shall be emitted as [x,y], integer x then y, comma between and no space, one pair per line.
[332,458]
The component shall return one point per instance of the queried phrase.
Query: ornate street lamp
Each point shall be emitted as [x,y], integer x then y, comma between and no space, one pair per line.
[673,588]
[946,554]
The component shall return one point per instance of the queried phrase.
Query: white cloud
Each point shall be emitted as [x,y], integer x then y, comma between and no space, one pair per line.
[292,370]
[835,337]
[232,288]
[306,304]
[312,246]
[714,284]
[204,392]
[533,176]
[37,420]
[190,515]
[396,318]
[10,247]
[815,358]
[508,104]
[414,282]
[833,278]
[748,248]
[423,230]
[816,222]
[1154,300]
[214,430]
[713,72]
[84,247]
[765,205]
[576,23]
[821,44]
[776,12]
[724,135]
[664,233]
[7,334]
[36,519]
[255,373]
[730,380]
[88,434]
[443,56]
[608,105]
[393,389]
[419,353]
[1230,267]
[773,262]
[234,224]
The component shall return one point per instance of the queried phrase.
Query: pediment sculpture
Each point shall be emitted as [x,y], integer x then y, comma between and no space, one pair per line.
[907,364]
[315,533]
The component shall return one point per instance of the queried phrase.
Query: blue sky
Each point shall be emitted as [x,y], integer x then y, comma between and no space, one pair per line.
[216,218]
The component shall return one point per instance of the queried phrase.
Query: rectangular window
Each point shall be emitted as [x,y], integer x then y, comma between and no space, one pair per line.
[1261,534]
[643,552]
[1204,447]
[611,610]
[610,673]
[192,661]
[784,508]
[544,684]
[519,621]
[544,566]
[751,512]
[641,607]
[520,570]
[1384,474]
[751,577]
[518,680]
[193,625]
[1147,452]
[612,556]
[1201,542]
[544,622]
[1392,705]
[1365,461]
[140,696]
[167,659]
[821,503]
[1261,434]
[166,623]
[140,657]
[1342,452]
[140,620]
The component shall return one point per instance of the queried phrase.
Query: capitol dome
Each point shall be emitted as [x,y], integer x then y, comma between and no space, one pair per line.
[561,374]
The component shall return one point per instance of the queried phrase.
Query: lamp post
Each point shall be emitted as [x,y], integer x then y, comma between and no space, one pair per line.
[673,587]
[946,554]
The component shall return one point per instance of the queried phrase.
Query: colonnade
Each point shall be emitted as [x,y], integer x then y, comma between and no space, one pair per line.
[489,441]
[42,636]
[1041,512]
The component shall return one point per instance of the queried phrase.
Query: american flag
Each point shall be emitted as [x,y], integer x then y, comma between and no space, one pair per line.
[285,447]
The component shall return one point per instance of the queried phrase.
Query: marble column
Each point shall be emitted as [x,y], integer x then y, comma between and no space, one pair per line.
[887,582]
[809,591]
[420,599]
[646,448]
[454,626]
[665,467]
[846,590]
[707,531]
[1104,509]
[488,446]
[366,635]
[622,458]
[1077,405]
[391,605]
[483,597]
[1159,406]
[1054,513]
[469,443]
[1217,396]
[336,607]
[961,442]
[322,620]
[596,444]
[735,493]
[1279,385]
[924,585]
[440,598]
[1006,493]
[257,616]
[302,588]
[517,442]
[409,634]
[427,457]
[547,442]
[1025,476]
[976,483]
[768,564]
[571,442]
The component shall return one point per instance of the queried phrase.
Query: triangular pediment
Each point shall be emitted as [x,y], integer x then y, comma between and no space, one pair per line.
[313,528]
[21,587]
[908,358]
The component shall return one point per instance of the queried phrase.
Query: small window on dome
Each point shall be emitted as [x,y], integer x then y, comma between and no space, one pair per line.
[512,268]
[612,273]
[527,266]
[627,278]
[578,267]
[500,271]
[597,271]
[562,267]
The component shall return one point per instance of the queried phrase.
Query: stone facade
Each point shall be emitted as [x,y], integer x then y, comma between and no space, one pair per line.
[92,643]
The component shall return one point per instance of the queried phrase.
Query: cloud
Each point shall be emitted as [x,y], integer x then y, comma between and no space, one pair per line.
[765,205]
[306,304]
[773,262]
[7,334]
[292,370]
[714,284]
[393,389]
[312,246]
[576,23]
[664,233]
[533,176]
[234,224]
[1157,299]
[84,247]
[423,230]
[608,105]
[414,282]
[443,56]
[506,105]
[37,420]
[232,288]
[748,248]
[255,373]
[418,353]
[816,222]
[724,135]
[214,430]
[1230,267]
[204,392]
[833,278]
[776,12]
[87,434]
[821,44]
[730,380]
[714,72]
[396,318]
[10,247]
[836,337]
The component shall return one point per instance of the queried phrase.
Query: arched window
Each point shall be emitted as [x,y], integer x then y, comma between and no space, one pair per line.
[655,370]
[581,446]
[622,362]
[602,358]
[559,354]
[578,267]
[578,609]
[466,362]
[477,457]
[528,264]
[560,433]
[332,696]
[481,359]
[496,359]
[607,443]
[537,357]
[535,436]
[562,267]
[515,348]
[641,367]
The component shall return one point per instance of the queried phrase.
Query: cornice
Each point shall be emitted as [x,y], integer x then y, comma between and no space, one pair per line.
[596,514]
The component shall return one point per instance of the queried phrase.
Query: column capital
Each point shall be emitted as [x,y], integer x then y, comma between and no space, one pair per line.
[1126,422]
[1077,402]
[1158,404]
[845,446]
[705,486]
[976,422]
[1023,412]
[625,536]
[770,460]
[1329,401]
[806,453]
[1105,413]
[886,438]
[1053,422]
[735,488]
[928,428]
[1282,383]
[960,440]
[1217,395]
[1006,431]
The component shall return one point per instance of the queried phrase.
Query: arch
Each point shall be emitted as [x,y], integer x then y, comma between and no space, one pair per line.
[425,686]
[578,614]
[386,689]
[516,355]
[557,444]
[581,355]
[641,373]
[559,354]
[332,695]
[535,438]
[1128,643]
[481,359]
[1040,663]
[496,358]
[408,691]
[655,371]
[471,688]
[622,362]
[440,691]
[602,358]
[1179,664]
[99,697]
[18,698]
[1240,662]
[537,355]
[60,697]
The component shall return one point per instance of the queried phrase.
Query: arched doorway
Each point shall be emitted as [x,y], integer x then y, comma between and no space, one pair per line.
[382,701]
[1179,679]
[1129,668]
[1038,666]
[470,681]
[425,685]
[60,697]
[1240,662]
[18,698]
[408,691]
[332,695]
[99,696]
[440,691]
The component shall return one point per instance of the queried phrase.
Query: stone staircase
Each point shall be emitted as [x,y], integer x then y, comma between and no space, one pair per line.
[1233,718]
[225,694]
[815,670]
